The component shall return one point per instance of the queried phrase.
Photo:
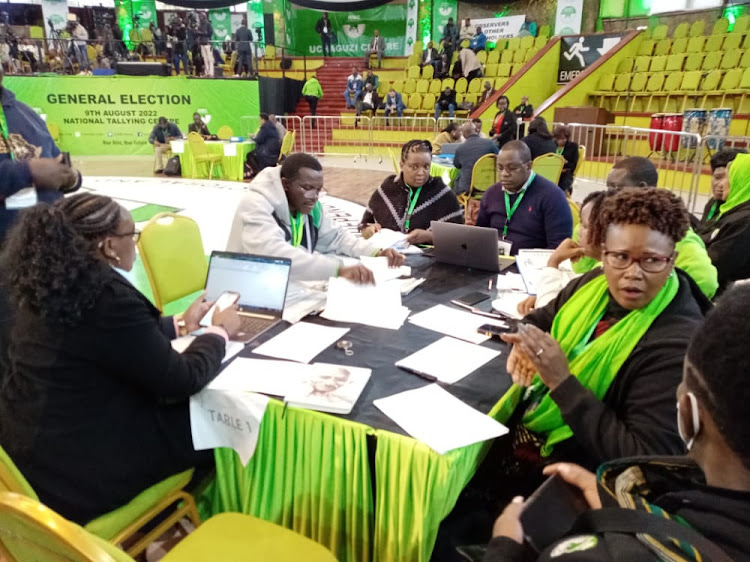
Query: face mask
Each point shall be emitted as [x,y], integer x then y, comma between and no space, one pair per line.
[695,418]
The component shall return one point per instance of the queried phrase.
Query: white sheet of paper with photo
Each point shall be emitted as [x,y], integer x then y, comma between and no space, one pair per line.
[508,304]
[232,348]
[371,305]
[453,322]
[347,384]
[448,359]
[438,419]
[301,342]
[387,238]
[227,419]
[381,270]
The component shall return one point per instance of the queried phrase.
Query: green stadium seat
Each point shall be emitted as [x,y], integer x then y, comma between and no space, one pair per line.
[695,44]
[679,45]
[697,28]
[659,33]
[646,48]
[720,27]
[681,30]
[658,64]
[625,65]
[675,62]
[663,47]
[712,60]
[506,57]
[731,59]
[732,41]
[642,63]
[693,61]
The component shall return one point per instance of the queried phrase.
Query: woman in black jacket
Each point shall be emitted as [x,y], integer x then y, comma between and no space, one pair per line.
[95,407]
[539,140]
[504,124]
[569,151]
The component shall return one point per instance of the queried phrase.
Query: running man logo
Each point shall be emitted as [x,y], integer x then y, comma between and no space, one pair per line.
[354,31]
[576,51]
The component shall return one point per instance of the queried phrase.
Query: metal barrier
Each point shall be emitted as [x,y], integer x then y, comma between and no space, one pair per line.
[293,123]
[343,135]
[676,155]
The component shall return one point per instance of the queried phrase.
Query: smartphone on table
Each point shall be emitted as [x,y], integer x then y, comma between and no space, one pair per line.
[471,299]
[225,300]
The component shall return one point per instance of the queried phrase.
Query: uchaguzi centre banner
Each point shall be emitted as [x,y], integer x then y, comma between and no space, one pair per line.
[114,115]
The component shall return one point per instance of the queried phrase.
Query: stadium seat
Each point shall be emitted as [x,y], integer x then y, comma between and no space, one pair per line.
[475,86]
[464,43]
[745,60]
[503,69]
[413,72]
[527,42]
[659,33]
[540,41]
[689,87]
[447,83]
[506,57]
[654,85]
[642,63]
[544,31]
[658,64]
[697,28]
[681,30]
[729,84]
[741,25]
[625,65]
[732,41]
[422,86]
[414,59]
[514,43]
[482,57]
[493,57]
[417,48]
[731,59]
[646,48]
[491,70]
[434,86]
[398,86]
[500,82]
[671,86]
[675,62]
[621,89]
[710,86]
[695,45]
[713,43]
[428,71]
[516,68]
[693,61]
[410,86]
[637,86]
[746,42]
[712,60]
[414,104]
[604,87]
[720,27]
[663,47]
[519,55]
[742,89]
[428,105]
[461,85]
[530,54]
[679,45]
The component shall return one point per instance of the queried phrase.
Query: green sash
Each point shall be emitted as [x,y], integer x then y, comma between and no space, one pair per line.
[595,365]
[739,183]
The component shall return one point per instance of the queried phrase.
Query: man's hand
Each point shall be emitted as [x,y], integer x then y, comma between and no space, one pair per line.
[357,274]
[370,229]
[394,258]
[197,310]
[509,522]
[51,173]
[228,319]
[419,236]
[526,305]
[580,478]
[567,250]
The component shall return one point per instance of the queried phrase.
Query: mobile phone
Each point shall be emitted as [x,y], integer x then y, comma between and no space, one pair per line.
[225,300]
[472,298]
[493,330]
[551,511]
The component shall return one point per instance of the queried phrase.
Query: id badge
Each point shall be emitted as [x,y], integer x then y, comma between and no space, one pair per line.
[504,247]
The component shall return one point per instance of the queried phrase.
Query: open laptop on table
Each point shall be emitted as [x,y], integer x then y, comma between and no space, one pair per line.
[470,246]
[449,149]
[262,283]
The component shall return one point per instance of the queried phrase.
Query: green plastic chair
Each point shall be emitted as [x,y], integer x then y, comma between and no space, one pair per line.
[123,522]
[31,531]
[681,30]
[172,252]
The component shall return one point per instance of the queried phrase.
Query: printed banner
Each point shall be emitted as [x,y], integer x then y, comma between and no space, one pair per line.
[353,30]
[499,28]
[221,21]
[568,18]
[578,52]
[412,14]
[114,115]
[55,12]
[133,16]
[441,11]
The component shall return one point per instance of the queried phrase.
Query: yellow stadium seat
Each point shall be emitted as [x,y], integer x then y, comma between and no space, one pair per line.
[461,85]
[681,30]
[671,87]
[383,87]
[519,55]
[503,70]
[744,62]
[709,86]
[695,45]
[417,48]
[679,45]
[413,72]
[663,47]
[713,43]
[658,64]
[398,86]
[741,24]
[410,86]
[516,68]
[506,57]
[447,83]
[642,63]
[660,32]
[729,84]
[491,70]
[646,48]
[741,90]
[428,71]
[675,62]
[731,41]
[746,42]
[464,43]
[414,104]
[530,54]
[493,57]
[544,31]
[482,57]
[637,86]
[540,42]
[434,86]
[625,65]
[604,87]
[693,61]
[527,42]
[697,28]
[712,60]
[549,166]
[500,82]
[654,85]
[422,86]
[514,43]
[483,176]
[720,27]
[428,105]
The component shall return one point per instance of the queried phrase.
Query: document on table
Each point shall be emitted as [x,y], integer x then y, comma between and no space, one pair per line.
[451,322]
[508,304]
[387,238]
[510,282]
[438,419]
[530,264]
[301,342]
[448,359]
[303,298]
[372,305]
[232,347]
[381,270]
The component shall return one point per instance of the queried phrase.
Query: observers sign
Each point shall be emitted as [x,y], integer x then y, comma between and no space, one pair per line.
[499,28]
[114,115]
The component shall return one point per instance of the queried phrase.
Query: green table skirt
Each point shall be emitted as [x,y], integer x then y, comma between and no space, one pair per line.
[448,173]
[231,167]
[310,473]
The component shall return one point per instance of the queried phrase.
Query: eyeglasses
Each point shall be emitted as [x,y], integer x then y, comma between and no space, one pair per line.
[135,235]
[649,264]
[511,168]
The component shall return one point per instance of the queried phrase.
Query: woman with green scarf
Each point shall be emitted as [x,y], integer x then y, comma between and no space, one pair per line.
[727,238]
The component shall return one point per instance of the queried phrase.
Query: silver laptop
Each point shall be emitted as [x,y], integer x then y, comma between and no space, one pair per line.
[469,246]
[449,149]
[262,283]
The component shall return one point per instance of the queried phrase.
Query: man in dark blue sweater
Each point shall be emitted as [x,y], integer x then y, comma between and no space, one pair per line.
[528,210]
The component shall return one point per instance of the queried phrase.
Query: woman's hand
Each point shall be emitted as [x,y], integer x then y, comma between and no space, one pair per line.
[519,366]
[526,305]
[509,522]
[370,229]
[543,351]
[197,310]
[419,236]
[567,250]
[580,478]
[227,319]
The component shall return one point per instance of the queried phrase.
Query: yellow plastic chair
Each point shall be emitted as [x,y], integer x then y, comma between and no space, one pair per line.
[732,59]
[694,61]
[697,28]
[475,86]
[653,87]
[660,32]
[675,62]
[201,155]
[172,252]
[434,86]
[519,55]
[549,166]
[31,531]
[712,61]
[122,523]
[447,83]
[514,43]
[428,105]
[461,85]
[544,31]
[410,86]
[54,131]
[287,145]
[642,63]
[491,70]
[482,57]
[695,45]
[483,176]
[422,86]
[493,57]
[530,53]
[540,41]
[428,71]
[413,72]
[575,211]
[527,42]
[506,57]
[713,43]
[625,65]
[516,68]
[398,85]
[395,161]
[681,30]
[744,62]
[225,132]
[742,89]
[646,48]
[414,104]
[732,41]
[729,83]
[663,47]
[679,45]
[720,27]
[741,25]
[581,158]
[500,82]
[658,63]
[503,70]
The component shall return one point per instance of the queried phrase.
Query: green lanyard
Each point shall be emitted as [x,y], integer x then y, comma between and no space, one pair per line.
[296,228]
[413,196]
[6,136]
[559,150]
[510,210]
[712,211]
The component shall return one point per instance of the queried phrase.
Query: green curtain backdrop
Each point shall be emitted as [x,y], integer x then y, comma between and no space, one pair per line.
[114,115]
[441,11]
[353,30]
[126,11]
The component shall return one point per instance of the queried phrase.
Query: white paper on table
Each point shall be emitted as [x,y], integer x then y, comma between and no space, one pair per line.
[372,305]
[381,270]
[230,149]
[301,342]
[303,298]
[268,376]
[227,419]
[21,199]
[510,282]
[457,323]
[232,347]
[448,359]
[178,146]
[508,304]
[387,238]
[438,419]
[530,264]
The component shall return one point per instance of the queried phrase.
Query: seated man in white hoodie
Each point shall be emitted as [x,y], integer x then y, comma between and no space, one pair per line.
[281,216]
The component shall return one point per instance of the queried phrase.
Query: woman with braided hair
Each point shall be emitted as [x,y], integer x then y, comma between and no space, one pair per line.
[94,408]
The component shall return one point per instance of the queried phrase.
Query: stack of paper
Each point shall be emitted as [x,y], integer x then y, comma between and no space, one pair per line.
[372,305]
[301,342]
[438,419]
[448,359]
[303,298]
[386,238]
[381,270]
[508,304]
[530,264]
[232,347]
[510,282]
[452,322]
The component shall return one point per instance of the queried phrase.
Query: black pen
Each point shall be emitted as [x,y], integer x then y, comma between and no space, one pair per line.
[474,310]
[420,374]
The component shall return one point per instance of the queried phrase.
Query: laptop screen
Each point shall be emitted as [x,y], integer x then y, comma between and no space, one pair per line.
[261,281]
